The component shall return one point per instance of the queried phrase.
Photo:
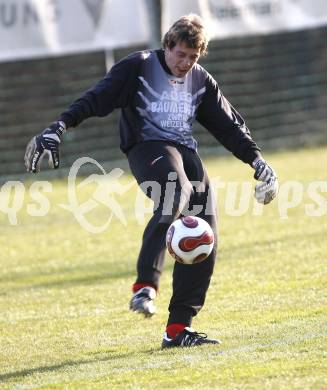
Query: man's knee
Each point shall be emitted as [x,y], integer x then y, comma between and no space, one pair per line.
[176,202]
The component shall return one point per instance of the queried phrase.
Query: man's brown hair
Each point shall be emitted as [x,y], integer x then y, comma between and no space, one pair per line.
[190,30]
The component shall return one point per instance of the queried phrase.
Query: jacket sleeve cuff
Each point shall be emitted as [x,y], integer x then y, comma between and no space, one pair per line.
[252,155]
[67,119]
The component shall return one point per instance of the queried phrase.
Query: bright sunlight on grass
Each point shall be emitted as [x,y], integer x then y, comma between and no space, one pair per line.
[64,294]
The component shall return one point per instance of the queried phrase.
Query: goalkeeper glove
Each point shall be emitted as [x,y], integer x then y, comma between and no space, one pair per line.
[46,143]
[266,191]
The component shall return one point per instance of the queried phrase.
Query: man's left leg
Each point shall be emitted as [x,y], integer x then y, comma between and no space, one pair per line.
[191,282]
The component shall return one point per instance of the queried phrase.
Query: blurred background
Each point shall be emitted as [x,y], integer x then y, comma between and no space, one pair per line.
[268,56]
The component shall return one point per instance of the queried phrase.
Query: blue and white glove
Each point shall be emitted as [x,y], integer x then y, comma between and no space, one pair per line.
[266,191]
[46,143]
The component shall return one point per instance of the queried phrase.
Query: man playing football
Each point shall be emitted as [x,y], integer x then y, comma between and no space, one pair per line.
[160,94]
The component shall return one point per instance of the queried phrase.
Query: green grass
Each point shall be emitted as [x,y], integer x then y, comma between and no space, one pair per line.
[64,296]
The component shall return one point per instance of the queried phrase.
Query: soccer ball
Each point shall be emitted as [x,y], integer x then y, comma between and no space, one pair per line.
[189,240]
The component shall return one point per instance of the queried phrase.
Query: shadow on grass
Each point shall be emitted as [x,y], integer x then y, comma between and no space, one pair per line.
[55,367]
[111,355]
[67,277]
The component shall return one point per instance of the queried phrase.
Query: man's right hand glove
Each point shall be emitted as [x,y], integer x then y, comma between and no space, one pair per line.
[46,143]
[266,191]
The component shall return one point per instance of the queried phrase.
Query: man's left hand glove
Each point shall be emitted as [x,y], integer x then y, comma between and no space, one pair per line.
[46,143]
[266,191]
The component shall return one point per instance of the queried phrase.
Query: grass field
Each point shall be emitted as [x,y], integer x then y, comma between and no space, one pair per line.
[64,293]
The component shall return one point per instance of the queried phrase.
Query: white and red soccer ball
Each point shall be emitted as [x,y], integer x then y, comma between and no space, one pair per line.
[190,240]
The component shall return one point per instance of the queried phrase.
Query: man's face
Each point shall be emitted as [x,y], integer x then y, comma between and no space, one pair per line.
[180,59]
